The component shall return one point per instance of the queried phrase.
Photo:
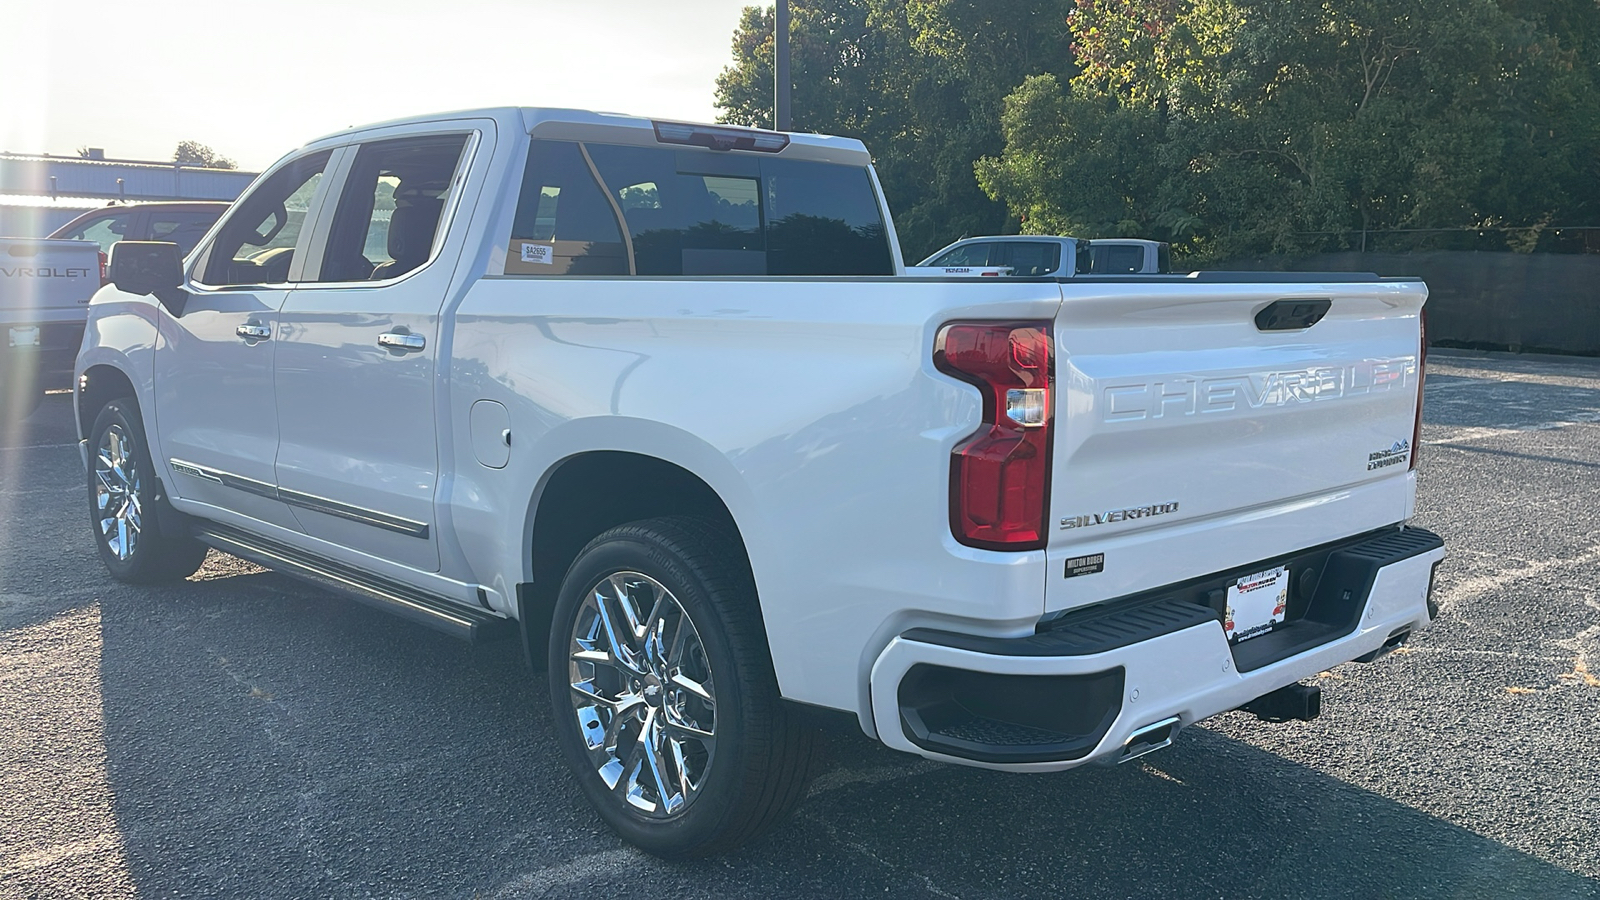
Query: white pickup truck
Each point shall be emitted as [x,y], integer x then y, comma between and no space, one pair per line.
[659,400]
[45,286]
[1048,256]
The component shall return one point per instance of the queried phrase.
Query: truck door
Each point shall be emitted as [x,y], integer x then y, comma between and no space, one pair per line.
[215,411]
[356,359]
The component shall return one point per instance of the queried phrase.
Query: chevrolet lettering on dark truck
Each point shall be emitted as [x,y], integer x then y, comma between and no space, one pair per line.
[660,401]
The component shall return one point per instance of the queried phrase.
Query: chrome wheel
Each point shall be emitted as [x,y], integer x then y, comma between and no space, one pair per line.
[117,493]
[643,694]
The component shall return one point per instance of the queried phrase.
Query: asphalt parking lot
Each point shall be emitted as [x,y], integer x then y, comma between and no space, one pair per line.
[241,735]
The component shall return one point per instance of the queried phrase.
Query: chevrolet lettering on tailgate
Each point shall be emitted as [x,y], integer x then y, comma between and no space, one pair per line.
[1198,396]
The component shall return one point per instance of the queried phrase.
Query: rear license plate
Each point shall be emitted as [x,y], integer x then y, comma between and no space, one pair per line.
[1256,604]
[26,336]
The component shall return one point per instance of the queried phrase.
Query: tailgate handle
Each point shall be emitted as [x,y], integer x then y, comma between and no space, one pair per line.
[1292,313]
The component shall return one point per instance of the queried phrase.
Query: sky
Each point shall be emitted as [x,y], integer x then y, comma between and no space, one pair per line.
[255,80]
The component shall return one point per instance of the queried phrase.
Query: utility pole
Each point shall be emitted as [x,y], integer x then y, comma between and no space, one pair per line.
[780,68]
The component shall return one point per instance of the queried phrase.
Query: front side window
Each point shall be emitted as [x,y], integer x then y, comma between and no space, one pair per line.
[612,210]
[965,255]
[391,210]
[105,231]
[256,243]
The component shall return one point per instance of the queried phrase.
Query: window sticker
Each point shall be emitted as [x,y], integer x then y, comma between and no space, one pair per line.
[544,254]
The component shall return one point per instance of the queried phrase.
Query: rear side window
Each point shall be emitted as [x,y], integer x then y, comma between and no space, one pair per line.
[391,211]
[1029,258]
[105,231]
[598,209]
[565,225]
[1113,259]
[182,228]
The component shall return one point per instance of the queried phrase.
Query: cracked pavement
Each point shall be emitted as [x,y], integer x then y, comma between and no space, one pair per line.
[242,735]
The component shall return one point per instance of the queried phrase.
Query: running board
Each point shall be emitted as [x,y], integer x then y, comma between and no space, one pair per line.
[465,622]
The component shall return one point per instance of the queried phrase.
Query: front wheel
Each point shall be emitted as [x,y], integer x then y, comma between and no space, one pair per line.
[666,707]
[123,504]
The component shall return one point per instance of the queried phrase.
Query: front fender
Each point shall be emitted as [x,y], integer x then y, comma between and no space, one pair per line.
[121,334]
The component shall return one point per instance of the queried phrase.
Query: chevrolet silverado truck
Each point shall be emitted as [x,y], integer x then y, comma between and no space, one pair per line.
[1047,255]
[659,400]
[45,286]
[1011,255]
[1129,256]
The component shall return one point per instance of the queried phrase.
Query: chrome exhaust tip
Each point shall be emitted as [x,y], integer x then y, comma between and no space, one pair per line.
[1148,739]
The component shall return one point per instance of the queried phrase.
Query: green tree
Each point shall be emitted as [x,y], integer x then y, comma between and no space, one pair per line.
[1247,126]
[835,61]
[921,82]
[194,153]
[1078,163]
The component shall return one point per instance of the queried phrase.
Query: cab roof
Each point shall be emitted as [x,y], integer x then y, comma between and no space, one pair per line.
[619,128]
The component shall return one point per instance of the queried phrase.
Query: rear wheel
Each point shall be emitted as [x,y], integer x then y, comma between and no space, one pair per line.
[127,512]
[665,703]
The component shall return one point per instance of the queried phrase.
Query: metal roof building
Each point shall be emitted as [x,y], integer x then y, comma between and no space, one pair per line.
[39,193]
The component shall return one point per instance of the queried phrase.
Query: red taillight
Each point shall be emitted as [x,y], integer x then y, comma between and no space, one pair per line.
[1422,363]
[1000,475]
[103,261]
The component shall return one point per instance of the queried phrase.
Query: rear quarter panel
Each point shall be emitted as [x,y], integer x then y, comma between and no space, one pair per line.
[809,405]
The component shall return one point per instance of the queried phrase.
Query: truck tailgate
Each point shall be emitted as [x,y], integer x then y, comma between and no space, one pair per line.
[1190,439]
[47,281]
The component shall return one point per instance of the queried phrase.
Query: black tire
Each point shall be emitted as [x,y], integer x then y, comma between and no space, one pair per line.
[139,536]
[760,760]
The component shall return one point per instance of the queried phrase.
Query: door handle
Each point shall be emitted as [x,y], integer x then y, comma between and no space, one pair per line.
[400,340]
[253,332]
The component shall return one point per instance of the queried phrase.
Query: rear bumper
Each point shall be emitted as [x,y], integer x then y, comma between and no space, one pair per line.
[42,352]
[1083,690]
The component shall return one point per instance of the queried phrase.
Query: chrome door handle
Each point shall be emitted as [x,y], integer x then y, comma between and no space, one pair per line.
[400,340]
[253,332]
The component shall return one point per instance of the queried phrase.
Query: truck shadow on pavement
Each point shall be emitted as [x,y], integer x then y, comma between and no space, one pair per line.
[266,740]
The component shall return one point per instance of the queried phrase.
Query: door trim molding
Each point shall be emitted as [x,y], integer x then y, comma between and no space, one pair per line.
[376,519]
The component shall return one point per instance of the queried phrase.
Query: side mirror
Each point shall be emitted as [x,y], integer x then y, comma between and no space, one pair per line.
[149,267]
